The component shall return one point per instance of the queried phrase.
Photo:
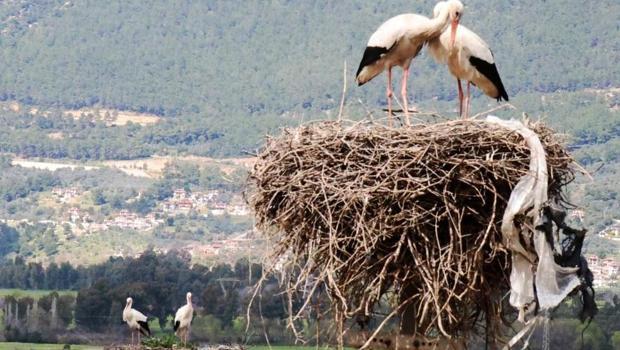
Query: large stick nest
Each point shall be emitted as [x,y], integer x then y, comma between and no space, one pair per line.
[368,211]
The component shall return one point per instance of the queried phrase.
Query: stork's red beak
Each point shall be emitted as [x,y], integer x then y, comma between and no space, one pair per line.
[455,24]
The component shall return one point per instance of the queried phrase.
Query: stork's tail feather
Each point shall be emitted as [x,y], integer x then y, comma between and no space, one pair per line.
[368,68]
[144,328]
[176,326]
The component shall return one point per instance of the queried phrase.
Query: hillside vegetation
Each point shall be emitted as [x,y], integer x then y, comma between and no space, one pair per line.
[226,61]
[128,83]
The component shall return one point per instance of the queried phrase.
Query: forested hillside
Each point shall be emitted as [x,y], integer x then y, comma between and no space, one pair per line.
[226,59]
[210,78]
[216,76]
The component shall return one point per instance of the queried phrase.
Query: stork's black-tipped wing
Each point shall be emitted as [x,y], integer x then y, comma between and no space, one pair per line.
[371,55]
[489,70]
[176,326]
[144,328]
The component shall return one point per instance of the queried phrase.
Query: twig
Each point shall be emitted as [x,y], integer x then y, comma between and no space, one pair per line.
[344,90]
[494,109]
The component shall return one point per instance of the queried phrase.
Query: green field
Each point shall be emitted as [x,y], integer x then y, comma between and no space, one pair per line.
[281,347]
[35,294]
[32,346]
[288,347]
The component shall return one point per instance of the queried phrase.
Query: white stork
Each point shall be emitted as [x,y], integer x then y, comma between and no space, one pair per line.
[183,319]
[469,58]
[136,321]
[398,40]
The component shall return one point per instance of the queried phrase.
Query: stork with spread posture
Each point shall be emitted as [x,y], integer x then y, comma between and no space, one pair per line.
[468,58]
[183,319]
[136,321]
[399,40]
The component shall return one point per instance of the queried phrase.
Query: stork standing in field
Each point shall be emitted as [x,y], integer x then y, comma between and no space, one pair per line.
[136,321]
[399,40]
[183,319]
[468,58]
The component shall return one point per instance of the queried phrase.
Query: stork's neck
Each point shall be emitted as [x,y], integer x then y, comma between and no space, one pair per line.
[439,23]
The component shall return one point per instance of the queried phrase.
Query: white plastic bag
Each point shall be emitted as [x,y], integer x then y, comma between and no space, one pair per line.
[532,265]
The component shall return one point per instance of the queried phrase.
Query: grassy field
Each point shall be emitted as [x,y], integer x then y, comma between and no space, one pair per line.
[288,347]
[32,346]
[117,118]
[35,294]
[151,167]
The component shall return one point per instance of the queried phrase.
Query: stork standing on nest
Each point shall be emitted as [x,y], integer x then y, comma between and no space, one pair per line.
[136,321]
[468,58]
[398,40]
[183,319]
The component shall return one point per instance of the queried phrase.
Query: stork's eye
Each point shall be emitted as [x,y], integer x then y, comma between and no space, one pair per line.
[458,13]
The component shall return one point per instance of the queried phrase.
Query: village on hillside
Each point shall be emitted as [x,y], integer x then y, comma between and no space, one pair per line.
[215,203]
[210,203]
[81,219]
[606,271]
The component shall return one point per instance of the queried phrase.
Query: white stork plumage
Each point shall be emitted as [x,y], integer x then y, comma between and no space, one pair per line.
[468,58]
[183,319]
[136,321]
[399,40]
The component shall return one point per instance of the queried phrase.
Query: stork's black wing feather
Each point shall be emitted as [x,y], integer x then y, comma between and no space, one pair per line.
[489,70]
[371,55]
[144,328]
[176,326]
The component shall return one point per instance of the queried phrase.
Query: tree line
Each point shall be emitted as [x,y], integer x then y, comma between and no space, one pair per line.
[156,282]
[89,138]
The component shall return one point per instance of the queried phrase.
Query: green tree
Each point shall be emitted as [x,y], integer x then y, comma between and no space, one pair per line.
[9,238]
[615,340]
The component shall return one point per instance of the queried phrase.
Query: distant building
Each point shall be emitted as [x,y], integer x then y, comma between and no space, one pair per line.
[169,206]
[185,205]
[217,209]
[203,198]
[612,231]
[65,194]
[606,271]
[75,214]
[238,210]
[128,220]
[178,194]
[212,196]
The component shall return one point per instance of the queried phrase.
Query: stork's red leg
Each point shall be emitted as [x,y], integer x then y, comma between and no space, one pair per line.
[403,93]
[468,100]
[458,83]
[389,95]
